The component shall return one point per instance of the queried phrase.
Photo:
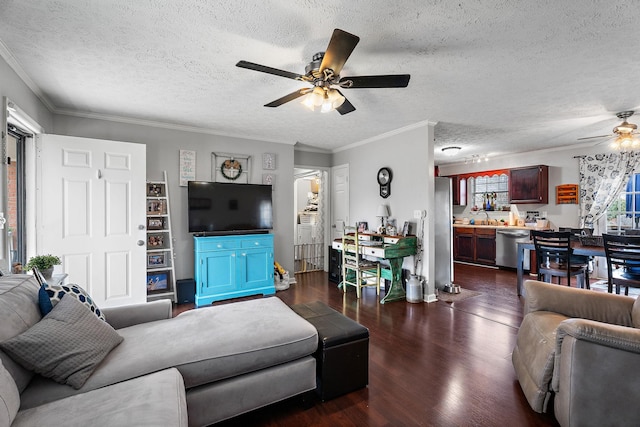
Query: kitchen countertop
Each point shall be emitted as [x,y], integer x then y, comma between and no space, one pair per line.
[505,227]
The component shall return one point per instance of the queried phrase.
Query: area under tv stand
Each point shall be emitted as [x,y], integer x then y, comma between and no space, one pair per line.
[232,265]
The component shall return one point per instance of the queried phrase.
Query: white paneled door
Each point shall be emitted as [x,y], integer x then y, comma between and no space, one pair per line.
[91,213]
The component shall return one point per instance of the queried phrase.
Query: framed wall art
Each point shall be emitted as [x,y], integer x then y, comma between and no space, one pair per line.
[226,167]
[269,161]
[268,179]
[187,167]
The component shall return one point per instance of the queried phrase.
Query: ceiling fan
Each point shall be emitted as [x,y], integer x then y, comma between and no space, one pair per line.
[625,132]
[323,72]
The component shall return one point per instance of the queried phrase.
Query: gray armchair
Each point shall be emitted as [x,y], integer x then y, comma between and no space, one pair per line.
[581,350]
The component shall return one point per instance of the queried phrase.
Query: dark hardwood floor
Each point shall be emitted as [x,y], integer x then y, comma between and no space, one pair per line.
[438,364]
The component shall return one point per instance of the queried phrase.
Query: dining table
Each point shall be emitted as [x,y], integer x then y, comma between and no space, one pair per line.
[577,247]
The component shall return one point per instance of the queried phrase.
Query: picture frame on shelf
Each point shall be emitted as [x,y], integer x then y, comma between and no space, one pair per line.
[155,241]
[406,229]
[156,207]
[156,260]
[363,226]
[157,282]
[155,190]
[155,223]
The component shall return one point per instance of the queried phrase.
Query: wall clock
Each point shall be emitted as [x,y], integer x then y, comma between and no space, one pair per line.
[384,179]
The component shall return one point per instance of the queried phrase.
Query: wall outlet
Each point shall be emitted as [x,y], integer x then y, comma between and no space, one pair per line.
[417,214]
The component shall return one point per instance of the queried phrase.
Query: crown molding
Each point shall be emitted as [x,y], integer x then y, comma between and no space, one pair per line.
[522,153]
[164,125]
[386,135]
[11,60]
[310,149]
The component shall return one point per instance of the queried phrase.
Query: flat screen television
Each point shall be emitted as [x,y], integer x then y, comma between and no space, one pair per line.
[229,208]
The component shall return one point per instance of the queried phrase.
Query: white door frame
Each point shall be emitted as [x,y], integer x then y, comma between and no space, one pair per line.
[327,218]
[333,200]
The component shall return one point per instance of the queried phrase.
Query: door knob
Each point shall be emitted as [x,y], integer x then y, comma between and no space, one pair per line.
[140,242]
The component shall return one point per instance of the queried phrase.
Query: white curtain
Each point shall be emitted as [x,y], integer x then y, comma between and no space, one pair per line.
[602,177]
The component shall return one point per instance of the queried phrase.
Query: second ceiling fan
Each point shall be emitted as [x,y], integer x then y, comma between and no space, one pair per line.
[323,72]
[625,133]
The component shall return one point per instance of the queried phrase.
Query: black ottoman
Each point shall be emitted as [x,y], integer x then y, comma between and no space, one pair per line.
[342,358]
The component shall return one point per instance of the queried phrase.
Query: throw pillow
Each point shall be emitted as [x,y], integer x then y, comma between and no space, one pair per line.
[66,345]
[50,295]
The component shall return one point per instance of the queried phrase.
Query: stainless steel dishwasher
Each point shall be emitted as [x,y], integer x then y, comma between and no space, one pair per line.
[507,247]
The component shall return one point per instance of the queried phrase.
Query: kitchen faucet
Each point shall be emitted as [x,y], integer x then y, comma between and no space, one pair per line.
[487,214]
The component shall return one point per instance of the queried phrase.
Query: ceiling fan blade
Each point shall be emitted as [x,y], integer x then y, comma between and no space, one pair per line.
[346,106]
[297,94]
[268,70]
[389,80]
[594,137]
[340,47]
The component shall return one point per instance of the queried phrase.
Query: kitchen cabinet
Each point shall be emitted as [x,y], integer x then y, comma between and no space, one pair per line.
[459,186]
[463,245]
[233,266]
[474,245]
[485,243]
[529,184]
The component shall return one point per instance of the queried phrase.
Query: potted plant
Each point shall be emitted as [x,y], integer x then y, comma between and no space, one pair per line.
[44,263]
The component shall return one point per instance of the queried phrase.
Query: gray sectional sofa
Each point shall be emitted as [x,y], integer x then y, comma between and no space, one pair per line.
[215,362]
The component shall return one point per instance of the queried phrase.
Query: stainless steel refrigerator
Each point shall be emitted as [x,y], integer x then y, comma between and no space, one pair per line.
[443,221]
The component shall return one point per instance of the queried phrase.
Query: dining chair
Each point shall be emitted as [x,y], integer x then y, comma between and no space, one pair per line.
[357,271]
[623,262]
[554,258]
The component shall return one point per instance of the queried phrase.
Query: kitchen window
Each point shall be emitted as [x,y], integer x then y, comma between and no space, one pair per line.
[624,213]
[495,186]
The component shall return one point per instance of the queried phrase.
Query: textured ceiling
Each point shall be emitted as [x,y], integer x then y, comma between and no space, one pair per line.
[499,76]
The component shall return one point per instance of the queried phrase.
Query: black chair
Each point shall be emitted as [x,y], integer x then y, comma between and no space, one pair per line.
[623,261]
[576,234]
[553,254]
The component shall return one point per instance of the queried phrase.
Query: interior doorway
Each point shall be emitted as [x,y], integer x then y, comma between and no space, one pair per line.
[16,213]
[310,202]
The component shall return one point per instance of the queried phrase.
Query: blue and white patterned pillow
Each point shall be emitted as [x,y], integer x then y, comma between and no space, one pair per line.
[50,295]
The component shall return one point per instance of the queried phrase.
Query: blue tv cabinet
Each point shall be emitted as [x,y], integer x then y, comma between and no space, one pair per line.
[233,266]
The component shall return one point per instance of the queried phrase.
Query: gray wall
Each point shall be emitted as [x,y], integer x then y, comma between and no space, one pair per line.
[406,154]
[312,158]
[163,147]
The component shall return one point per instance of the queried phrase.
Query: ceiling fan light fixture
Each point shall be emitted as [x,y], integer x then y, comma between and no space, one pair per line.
[451,150]
[314,99]
[625,128]
[625,141]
